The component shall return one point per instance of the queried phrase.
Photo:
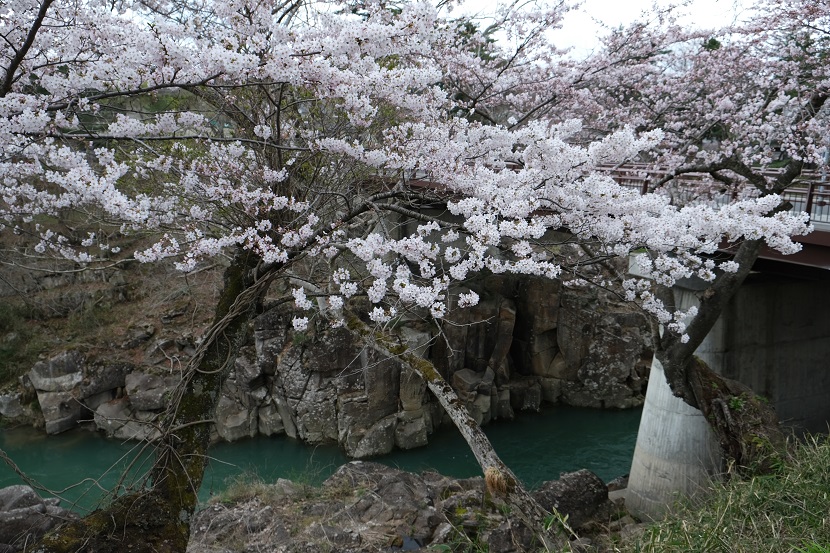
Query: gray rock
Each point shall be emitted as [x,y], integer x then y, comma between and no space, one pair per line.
[118,419]
[466,380]
[61,410]
[25,516]
[378,439]
[269,421]
[94,401]
[10,405]
[17,497]
[413,390]
[579,495]
[111,416]
[59,374]
[148,390]
[234,418]
[99,378]
[411,430]
[246,369]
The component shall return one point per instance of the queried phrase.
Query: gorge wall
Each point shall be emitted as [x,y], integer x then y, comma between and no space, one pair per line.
[529,341]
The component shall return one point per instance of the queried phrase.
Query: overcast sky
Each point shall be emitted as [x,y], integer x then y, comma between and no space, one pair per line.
[580,30]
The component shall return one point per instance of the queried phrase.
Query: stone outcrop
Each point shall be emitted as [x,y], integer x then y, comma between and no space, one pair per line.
[366,507]
[544,341]
[25,516]
[529,341]
[328,388]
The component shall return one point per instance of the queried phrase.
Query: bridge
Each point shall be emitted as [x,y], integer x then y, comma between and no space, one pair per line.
[774,337]
[810,193]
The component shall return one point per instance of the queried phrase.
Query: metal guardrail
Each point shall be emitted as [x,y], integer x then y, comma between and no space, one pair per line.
[810,193]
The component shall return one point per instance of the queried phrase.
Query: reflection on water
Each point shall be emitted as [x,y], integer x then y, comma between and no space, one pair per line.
[536,446]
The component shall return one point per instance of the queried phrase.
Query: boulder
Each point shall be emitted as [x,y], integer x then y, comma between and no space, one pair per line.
[111,416]
[117,419]
[61,373]
[18,497]
[103,377]
[10,405]
[377,440]
[411,430]
[578,495]
[237,413]
[466,381]
[61,410]
[25,517]
[269,421]
[93,402]
[245,369]
[413,390]
[399,501]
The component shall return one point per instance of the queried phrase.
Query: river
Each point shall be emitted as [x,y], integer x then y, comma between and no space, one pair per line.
[537,446]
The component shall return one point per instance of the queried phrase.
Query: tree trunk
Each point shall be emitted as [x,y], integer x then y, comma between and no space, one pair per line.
[157,518]
[500,480]
[747,427]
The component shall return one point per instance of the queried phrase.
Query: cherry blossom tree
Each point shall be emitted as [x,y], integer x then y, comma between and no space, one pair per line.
[289,140]
[732,103]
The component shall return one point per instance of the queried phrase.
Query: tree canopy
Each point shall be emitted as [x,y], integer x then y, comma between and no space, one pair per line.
[291,139]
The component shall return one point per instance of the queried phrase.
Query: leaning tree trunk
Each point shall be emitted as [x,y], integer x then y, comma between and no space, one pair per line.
[157,518]
[500,480]
[746,427]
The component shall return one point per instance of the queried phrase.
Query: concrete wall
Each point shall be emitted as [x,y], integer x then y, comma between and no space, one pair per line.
[775,338]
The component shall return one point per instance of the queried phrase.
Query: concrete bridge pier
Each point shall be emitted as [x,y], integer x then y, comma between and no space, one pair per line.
[775,338]
[676,455]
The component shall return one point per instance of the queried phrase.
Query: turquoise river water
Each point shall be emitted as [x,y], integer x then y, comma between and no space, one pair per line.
[80,466]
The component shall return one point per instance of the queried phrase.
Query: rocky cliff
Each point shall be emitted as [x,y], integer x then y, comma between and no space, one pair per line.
[528,342]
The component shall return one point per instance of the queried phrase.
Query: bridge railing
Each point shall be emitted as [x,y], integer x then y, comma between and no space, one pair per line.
[810,193]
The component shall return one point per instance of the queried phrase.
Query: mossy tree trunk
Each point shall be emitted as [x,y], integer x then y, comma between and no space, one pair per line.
[500,480]
[157,518]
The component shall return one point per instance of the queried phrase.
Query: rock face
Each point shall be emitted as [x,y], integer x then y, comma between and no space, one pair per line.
[529,341]
[25,516]
[544,341]
[330,389]
[368,507]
